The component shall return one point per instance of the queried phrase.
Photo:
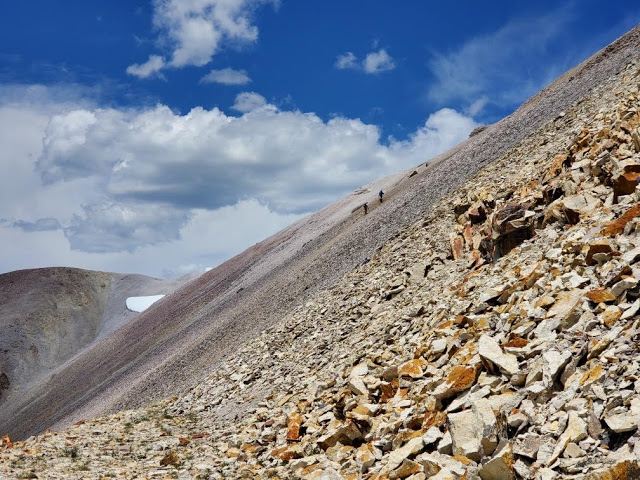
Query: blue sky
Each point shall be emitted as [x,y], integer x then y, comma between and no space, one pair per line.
[137,132]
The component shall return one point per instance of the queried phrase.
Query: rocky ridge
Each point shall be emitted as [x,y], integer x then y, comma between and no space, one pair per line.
[495,338]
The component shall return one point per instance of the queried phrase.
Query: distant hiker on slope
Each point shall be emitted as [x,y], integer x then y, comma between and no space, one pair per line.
[380,194]
[366,208]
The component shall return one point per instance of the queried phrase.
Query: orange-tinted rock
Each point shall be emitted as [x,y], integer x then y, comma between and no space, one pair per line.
[516,342]
[460,379]
[412,368]
[434,419]
[457,245]
[288,453]
[556,166]
[592,375]
[388,390]
[407,468]
[626,183]
[171,458]
[600,246]
[600,295]
[6,442]
[616,227]
[293,427]
[467,234]
[252,448]
[611,315]
[624,470]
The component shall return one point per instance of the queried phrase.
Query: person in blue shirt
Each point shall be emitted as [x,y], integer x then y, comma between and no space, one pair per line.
[380,194]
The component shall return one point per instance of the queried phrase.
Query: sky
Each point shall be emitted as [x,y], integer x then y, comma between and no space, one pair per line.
[164,136]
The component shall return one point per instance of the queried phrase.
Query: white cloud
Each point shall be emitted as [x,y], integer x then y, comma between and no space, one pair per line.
[147,69]
[155,191]
[347,60]
[195,30]
[478,105]
[248,101]
[380,61]
[374,62]
[506,66]
[226,76]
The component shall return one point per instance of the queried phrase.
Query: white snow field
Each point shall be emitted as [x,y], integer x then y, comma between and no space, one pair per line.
[140,304]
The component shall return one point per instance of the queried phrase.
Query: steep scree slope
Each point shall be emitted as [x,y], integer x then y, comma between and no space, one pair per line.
[173,345]
[494,338]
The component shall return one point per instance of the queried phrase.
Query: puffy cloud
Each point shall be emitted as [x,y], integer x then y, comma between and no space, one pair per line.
[374,62]
[248,101]
[112,227]
[120,181]
[291,161]
[147,69]
[226,76]
[195,30]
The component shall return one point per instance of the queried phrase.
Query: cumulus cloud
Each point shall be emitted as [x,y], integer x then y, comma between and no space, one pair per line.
[147,69]
[226,76]
[380,61]
[373,62]
[289,160]
[248,101]
[195,30]
[131,180]
[116,226]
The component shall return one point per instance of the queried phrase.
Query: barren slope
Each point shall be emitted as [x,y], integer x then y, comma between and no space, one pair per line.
[493,338]
[49,315]
[176,342]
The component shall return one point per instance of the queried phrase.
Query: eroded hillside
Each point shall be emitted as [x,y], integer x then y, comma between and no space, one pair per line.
[46,316]
[496,337]
[173,346]
[50,315]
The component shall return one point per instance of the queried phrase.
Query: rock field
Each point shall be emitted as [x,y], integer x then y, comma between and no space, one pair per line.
[495,338]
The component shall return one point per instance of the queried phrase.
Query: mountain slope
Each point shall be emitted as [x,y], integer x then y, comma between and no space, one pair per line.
[494,337]
[179,340]
[176,342]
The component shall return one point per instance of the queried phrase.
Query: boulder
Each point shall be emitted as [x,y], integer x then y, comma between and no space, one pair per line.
[490,351]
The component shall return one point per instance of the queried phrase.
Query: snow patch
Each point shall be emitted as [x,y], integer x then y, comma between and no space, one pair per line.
[140,304]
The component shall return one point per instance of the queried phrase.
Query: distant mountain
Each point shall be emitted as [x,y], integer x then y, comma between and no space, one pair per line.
[50,315]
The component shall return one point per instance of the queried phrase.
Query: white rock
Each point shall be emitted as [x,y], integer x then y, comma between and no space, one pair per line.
[396,457]
[622,422]
[357,386]
[490,350]
[553,363]
[466,434]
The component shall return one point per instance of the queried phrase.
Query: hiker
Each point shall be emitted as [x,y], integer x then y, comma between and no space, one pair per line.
[366,208]
[380,194]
